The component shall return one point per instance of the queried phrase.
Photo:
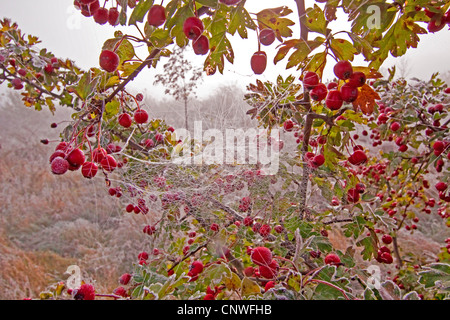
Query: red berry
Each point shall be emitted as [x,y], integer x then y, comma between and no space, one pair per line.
[357,79]
[249,272]
[214,227]
[109,60]
[17,83]
[99,154]
[387,239]
[193,28]
[125,279]
[334,100]
[108,163]
[113,16]
[279,229]
[129,208]
[76,157]
[201,45]
[349,93]
[259,62]
[269,271]
[101,16]
[441,186]
[195,268]
[264,230]
[343,70]
[288,125]
[267,36]
[140,116]
[332,259]
[89,170]
[125,120]
[248,221]
[318,160]
[395,126]
[358,157]
[59,166]
[319,92]
[156,15]
[310,80]
[85,292]
[261,256]
[353,195]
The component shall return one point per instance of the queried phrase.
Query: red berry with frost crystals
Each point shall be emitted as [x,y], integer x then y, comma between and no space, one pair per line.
[264,230]
[269,285]
[17,83]
[109,60]
[334,100]
[343,70]
[270,270]
[261,256]
[89,170]
[57,153]
[266,36]
[59,166]
[85,292]
[108,163]
[193,28]
[156,15]
[140,116]
[120,291]
[332,259]
[310,80]
[125,120]
[125,279]
[143,255]
[76,157]
[98,154]
[248,221]
[214,227]
[387,239]
[279,229]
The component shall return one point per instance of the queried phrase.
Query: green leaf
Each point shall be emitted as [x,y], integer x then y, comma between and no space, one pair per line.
[370,247]
[272,18]
[112,108]
[139,12]
[343,49]
[240,20]
[125,49]
[436,272]
[314,20]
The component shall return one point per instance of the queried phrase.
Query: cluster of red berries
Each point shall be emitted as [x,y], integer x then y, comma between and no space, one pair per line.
[267,266]
[333,95]
[101,15]
[332,259]
[258,61]
[85,292]
[212,294]
[67,158]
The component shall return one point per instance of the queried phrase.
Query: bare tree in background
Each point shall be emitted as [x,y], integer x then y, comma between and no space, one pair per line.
[180,79]
[403,67]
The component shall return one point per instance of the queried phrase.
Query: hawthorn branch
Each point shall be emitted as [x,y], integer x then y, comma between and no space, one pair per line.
[131,77]
[301,13]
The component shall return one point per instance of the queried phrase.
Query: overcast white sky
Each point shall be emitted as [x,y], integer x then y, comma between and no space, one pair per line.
[68,34]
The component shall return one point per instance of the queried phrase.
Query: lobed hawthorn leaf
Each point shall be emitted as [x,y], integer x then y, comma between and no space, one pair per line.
[272,18]
[125,49]
[140,11]
[314,63]
[315,20]
[240,20]
[302,50]
[176,16]
[343,49]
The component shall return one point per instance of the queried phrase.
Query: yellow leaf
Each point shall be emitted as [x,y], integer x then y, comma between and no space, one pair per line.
[233,282]
[249,287]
